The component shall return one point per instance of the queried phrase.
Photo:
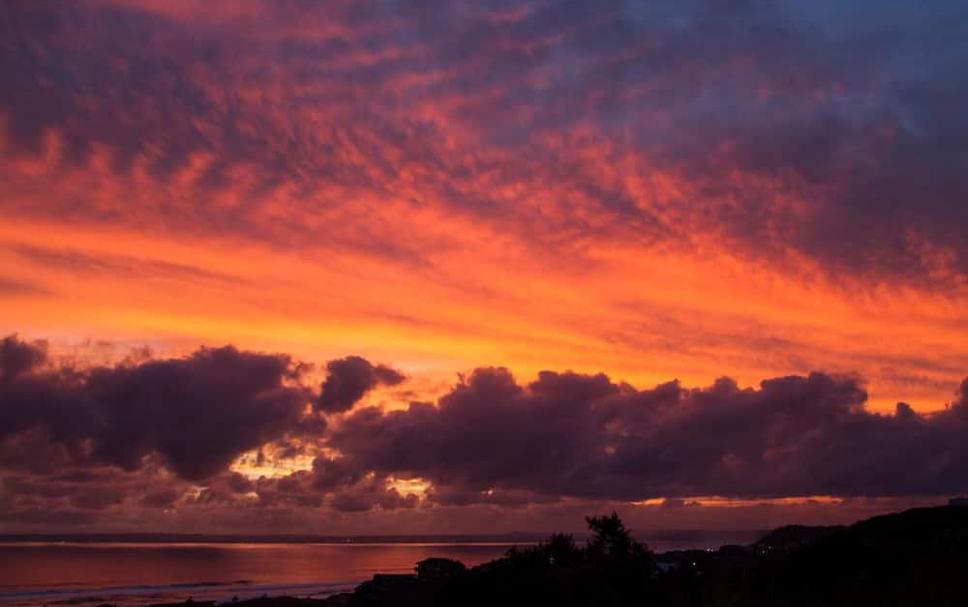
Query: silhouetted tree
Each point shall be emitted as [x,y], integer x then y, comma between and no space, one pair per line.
[561,549]
[611,538]
[625,565]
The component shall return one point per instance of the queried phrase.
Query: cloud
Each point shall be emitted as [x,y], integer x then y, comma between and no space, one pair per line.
[150,435]
[349,379]
[471,166]
[10,287]
[583,436]
[792,179]
[782,133]
[18,357]
[197,414]
[81,263]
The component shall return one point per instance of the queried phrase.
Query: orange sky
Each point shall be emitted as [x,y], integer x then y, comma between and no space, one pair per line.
[492,303]
[650,193]
[407,229]
[640,315]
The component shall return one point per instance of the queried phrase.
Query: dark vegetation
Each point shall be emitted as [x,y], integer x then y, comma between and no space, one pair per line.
[918,557]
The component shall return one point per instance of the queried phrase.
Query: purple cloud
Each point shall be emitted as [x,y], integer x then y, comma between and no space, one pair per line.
[349,379]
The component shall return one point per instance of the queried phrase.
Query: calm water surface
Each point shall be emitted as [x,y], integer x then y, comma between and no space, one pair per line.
[84,574]
[76,574]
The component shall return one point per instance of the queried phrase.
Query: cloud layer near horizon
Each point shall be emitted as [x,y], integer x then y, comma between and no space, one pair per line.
[165,435]
[634,191]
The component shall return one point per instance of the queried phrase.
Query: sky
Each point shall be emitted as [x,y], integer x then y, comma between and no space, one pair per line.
[431,267]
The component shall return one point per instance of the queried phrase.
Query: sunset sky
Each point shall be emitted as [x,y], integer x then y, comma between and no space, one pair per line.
[350,267]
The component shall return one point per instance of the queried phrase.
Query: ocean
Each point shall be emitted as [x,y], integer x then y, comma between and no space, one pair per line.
[135,573]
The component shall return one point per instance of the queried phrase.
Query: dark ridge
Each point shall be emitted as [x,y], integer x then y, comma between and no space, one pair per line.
[792,537]
[914,558]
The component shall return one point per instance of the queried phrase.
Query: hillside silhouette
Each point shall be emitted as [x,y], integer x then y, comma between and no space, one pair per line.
[916,557]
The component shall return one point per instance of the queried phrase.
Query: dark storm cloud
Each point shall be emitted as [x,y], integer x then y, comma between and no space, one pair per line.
[196,413]
[584,436]
[856,113]
[79,440]
[17,357]
[138,434]
[349,379]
